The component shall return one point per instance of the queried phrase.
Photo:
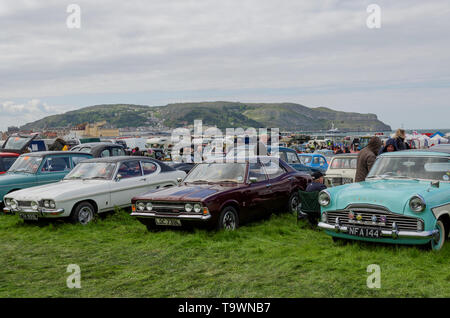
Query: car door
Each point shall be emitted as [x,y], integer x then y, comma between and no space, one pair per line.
[280,184]
[128,182]
[258,195]
[53,168]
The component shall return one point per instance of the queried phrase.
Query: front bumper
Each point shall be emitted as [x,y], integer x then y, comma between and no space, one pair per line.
[394,234]
[186,217]
[41,212]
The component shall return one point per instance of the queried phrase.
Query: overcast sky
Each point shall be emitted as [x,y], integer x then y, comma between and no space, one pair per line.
[154,52]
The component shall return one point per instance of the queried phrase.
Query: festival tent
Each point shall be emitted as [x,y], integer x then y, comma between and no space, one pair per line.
[438,133]
[436,140]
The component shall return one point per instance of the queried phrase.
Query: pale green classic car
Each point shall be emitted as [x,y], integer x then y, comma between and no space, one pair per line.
[405,199]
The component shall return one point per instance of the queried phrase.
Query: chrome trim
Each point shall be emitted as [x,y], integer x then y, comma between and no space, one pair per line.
[394,233]
[40,211]
[198,217]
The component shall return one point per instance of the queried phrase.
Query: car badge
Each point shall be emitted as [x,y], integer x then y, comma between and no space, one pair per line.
[359,217]
[383,219]
[351,215]
[374,218]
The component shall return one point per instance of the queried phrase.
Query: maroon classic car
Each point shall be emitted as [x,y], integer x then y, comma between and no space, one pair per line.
[223,195]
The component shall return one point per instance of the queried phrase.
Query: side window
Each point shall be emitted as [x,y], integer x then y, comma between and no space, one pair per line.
[118,152]
[322,161]
[274,169]
[148,167]
[316,160]
[256,170]
[56,164]
[77,159]
[130,169]
[7,162]
[105,153]
[292,157]
[283,156]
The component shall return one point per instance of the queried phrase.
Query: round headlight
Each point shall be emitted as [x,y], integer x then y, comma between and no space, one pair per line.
[34,205]
[188,207]
[8,202]
[417,204]
[52,204]
[46,204]
[324,198]
[14,204]
[197,208]
[141,206]
[149,206]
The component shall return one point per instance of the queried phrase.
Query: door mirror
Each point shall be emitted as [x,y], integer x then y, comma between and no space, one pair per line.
[179,180]
[118,177]
[253,179]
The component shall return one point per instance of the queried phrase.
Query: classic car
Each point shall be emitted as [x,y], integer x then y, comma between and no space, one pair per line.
[314,161]
[341,170]
[223,195]
[327,153]
[291,157]
[100,149]
[6,160]
[38,168]
[405,199]
[93,186]
[18,143]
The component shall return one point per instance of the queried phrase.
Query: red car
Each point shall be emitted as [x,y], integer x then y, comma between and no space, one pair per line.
[223,195]
[6,160]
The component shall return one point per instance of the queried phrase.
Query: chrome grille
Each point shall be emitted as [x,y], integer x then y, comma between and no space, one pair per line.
[168,207]
[24,204]
[404,223]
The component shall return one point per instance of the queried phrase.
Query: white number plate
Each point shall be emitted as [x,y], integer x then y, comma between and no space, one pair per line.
[167,222]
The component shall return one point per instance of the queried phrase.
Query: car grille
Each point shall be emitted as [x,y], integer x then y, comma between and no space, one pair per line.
[168,207]
[24,204]
[404,223]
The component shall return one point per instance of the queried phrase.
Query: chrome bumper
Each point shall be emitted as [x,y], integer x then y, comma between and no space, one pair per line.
[191,217]
[424,235]
[41,212]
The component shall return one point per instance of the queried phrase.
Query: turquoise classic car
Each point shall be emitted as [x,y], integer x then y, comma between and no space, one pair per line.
[38,168]
[405,199]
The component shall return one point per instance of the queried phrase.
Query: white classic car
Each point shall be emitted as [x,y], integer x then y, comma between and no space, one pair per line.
[341,170]
[93,186]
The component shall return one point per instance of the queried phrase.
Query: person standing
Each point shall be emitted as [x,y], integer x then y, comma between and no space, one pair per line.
[399,138]
[317,184]
[366,158]
[389,147]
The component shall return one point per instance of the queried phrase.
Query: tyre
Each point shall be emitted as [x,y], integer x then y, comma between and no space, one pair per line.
[83,213]
[293,203]
[228,219]
[438,239]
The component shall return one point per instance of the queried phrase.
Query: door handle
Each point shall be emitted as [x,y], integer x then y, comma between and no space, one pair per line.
[268,185]
[144,179]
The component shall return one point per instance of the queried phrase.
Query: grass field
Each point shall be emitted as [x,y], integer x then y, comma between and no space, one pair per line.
[273,258]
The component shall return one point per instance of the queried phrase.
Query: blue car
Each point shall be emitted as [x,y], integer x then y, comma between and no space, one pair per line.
[291,157]
[315,161]
[405,199]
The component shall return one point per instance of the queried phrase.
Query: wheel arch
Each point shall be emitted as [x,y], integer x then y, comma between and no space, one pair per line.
[94,204]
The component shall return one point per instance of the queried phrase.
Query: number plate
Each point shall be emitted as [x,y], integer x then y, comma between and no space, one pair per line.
[168,222]
[31,217]
[364,231]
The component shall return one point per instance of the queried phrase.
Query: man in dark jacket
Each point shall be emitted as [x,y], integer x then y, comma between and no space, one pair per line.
[317,184]
[366,158]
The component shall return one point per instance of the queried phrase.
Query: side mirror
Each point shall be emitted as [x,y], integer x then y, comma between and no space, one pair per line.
[435,184]
[179,180]
[253,179]
[118,177]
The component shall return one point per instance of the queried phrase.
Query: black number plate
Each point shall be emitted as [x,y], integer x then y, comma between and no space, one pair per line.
[364,231]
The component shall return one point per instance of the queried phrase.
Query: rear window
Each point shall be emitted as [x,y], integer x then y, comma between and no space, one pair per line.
[343,163]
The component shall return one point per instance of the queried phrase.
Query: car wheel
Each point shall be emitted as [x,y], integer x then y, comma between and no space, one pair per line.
[228,219]
[84,213]
[293,203]
[438,239]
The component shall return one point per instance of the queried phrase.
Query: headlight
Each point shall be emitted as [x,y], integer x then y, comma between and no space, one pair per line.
[14,204]
[188,207]
[140,206]
[149,206]
[52,204]
[324,198]
[46,204]
[8,202]
[197,208]
[34,205]
[417,204]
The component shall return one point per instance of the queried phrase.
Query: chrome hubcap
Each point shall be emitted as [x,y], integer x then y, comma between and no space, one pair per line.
[85,215]
[294,204]
[229,221]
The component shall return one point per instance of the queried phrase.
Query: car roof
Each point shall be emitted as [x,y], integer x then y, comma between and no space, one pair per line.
[116,159]
[46,153]
[97,144]
[342,155]
[419,152]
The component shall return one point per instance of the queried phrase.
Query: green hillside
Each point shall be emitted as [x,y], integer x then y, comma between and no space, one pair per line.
[286,116]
